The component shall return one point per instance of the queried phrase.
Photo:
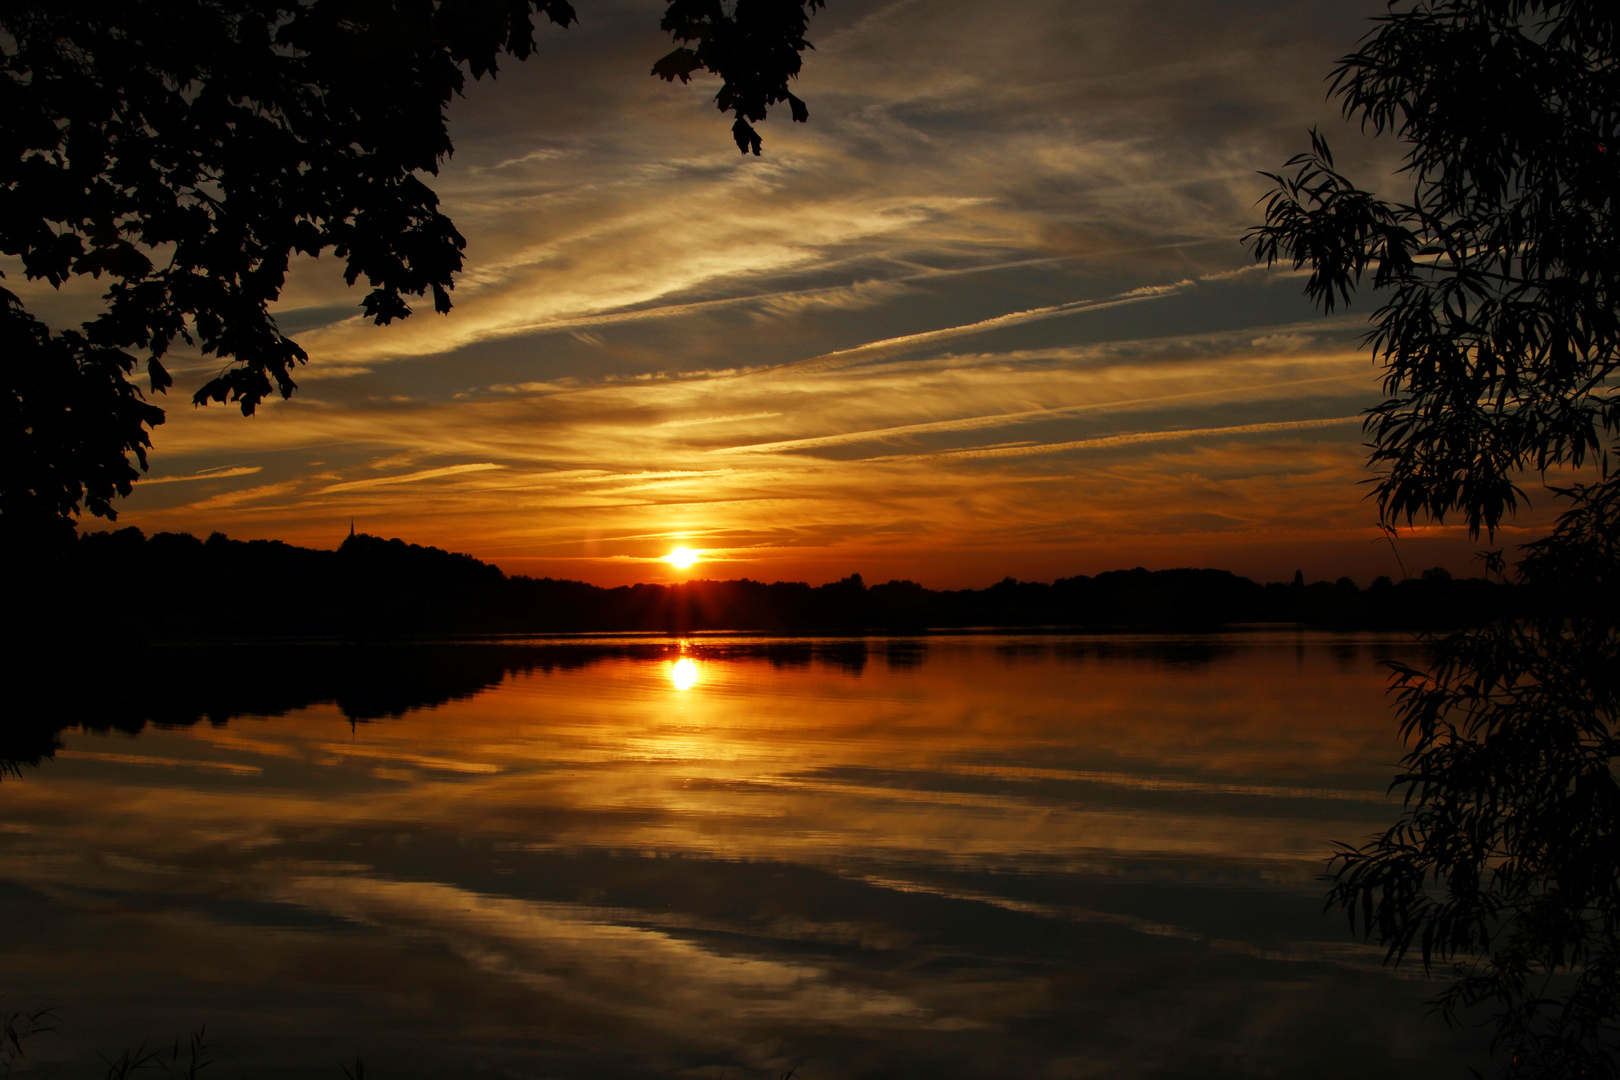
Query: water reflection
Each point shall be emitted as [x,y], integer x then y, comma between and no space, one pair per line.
[683,673]
[976,857]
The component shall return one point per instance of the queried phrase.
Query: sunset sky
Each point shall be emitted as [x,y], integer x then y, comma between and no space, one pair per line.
[987,313]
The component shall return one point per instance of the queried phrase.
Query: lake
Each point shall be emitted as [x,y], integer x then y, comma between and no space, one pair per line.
[949,856]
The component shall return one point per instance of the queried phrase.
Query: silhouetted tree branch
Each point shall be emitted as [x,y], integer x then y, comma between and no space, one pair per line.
[1498,324]
[185,150]
[1499,330]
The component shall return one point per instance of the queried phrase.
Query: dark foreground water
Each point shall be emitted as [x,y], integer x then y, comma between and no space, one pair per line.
[1004,856]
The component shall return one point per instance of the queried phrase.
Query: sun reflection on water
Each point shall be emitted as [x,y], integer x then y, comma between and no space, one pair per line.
[683,673]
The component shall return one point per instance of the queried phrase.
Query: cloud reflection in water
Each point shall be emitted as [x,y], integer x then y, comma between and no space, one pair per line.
[1055,856]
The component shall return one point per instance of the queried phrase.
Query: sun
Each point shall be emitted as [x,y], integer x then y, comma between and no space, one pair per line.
[681,558]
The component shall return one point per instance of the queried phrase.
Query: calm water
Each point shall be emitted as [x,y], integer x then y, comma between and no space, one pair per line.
[976,857]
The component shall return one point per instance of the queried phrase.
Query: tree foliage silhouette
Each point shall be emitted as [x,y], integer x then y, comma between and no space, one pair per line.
[185,150]
[1499,331]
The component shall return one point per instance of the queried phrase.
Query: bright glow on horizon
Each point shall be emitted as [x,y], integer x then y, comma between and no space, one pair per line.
[684,674]
[681,558]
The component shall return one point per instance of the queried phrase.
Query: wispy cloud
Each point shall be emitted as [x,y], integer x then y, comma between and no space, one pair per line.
[994,420]
[407,478]
[732,419]
[987,313]
[206,474]
[1142,437]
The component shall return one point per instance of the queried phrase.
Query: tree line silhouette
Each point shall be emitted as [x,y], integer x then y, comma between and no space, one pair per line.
[174,586]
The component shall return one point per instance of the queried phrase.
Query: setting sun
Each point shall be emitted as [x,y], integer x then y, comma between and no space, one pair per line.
[681,558]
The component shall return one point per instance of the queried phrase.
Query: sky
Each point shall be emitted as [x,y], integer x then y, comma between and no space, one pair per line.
[988,313]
